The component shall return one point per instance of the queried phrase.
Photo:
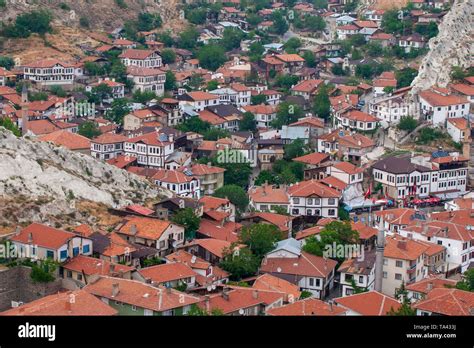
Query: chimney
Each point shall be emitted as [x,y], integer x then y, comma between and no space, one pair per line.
[207,302]
[255,294]
[379,249]
[133,229]
[112,268]
[330,306]
[430,286]
[402,244]
[147,280]
[30,237]
[115,289]
[225,294]
[68,306]
[160,298]
[168,290]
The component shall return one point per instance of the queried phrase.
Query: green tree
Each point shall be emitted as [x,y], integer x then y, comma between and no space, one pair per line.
[467,284]
[212,85]
[322,104]
[143,97]
[170,82]
[89,129]
[248,122]
[119,109]
[235,194]
[168,56]
[265,176]
[256,51]
[427,30]
[58,91]
[401,294]
[314,23]
[339,232]
[287,113]
[405,77]
[231,38]
[8,124]
[295,149]
[261,238]
[188,219]
[239,263]
[309,58]
[194,124]
[286,81]
[407,123]
[6,62]
[280,25]
[215,133]
[258,99]
[292,45]
[188,38]
[195,310]
[100,92]
[211,57]
[196,15]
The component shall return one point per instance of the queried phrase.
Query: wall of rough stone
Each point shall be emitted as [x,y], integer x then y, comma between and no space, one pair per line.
[17,285]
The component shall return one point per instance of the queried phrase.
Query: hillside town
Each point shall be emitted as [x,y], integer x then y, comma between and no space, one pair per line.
[267,157]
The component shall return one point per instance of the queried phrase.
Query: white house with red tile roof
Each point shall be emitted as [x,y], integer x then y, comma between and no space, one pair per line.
[50,72]
[457,128]
[418,291]
[464,90]
[5,75]
[147,79]
[198,100]
[42,242]
[306,88]
[264,114]
[311,198]
[437,105]
[235,94]
[107,146]
[151,149]
[344,31]
[310,272]
[117,88]
[347,172]
[170,274]
[266,197]
[141,58]
[308,307]
[356,120]
[181,183]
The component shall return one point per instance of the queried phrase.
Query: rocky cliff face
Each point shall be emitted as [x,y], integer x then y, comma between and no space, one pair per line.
[454,46]
[54,181]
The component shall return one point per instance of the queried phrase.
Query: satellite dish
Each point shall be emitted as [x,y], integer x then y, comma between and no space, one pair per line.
[241,311]
[209,288]
[279,270]
[213,286]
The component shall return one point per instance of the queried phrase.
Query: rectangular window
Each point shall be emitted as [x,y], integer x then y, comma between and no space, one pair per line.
[399,263]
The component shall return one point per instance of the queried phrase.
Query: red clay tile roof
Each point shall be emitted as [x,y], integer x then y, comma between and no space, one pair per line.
[333,182]
[369,303]
[261,109]
[306,265]
[309,122]
[228,232]
[146,228]
[167,272]
[311,188]
[109,138]
[214,246]
[436,99]
[43,236]
[268,194]
[309,306]
[212,203]
[188,259]
[136,54]
[424,286]
[139,71]
[91,265]
[200,96]
[314,158]
[404,249]
[359,116]
[458,122]
[447,302]
[365,232]
[279,220]
[140,294]
[76,303]
[348,168]
[269,282]
[172,176]
[70,140]
[289,58]
[307,86]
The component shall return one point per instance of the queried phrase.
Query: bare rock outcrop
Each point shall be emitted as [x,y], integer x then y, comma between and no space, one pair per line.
[453,46]
[57,179]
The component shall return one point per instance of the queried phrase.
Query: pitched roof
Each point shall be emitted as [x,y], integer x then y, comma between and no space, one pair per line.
[204,169]
[447,301]
[133,53]
[200,96]
[140,71]
[308,122]
[172,176]
[91,265]
[70,140]
[212,203]
[369,303]
[359,116]
[60,304]
[262,109]
[167,272]
[268,194]
[306,265]
[307,86]
[188,259]
[214,246]
[311,188]
[279,220]
[43,236]
[289,58]
[436,99]
[140,294]
[348,168]
[109,138]
[269,282]
[146,228]
[399,165]
[403,248]
[314,158]
[398,216]
[228,231]
[426,285]
[458,122]
[309,306]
